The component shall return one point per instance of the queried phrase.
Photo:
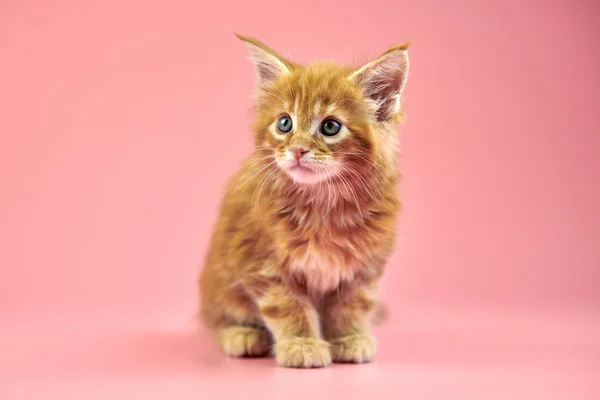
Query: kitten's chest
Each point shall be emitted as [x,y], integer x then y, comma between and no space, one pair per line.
[323,263]
[325,252]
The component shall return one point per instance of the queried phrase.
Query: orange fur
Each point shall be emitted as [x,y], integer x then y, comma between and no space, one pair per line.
[293,265]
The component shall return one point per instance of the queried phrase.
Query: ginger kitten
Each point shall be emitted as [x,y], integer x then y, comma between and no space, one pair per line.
[307,225]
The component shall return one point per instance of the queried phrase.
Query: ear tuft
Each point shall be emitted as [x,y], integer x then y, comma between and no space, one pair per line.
[269,65]
[383,80]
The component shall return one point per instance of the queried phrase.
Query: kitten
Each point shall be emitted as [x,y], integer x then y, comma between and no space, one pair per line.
[306,227]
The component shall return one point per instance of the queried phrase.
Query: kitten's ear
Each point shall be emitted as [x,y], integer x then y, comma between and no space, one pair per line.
[268,64]
[383,80]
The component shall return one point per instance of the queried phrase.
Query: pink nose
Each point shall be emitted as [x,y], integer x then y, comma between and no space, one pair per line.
[299,152]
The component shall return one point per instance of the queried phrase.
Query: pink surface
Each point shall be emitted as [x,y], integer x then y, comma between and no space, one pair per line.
[121,121]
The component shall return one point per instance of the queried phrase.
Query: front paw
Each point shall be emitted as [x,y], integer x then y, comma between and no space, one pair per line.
[244,341]
[353,349]
[302,352]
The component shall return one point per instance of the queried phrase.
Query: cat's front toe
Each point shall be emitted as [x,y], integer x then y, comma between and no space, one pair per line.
[302,353]
[353,349]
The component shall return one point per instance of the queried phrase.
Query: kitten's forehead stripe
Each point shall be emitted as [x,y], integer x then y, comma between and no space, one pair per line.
[330,109]
[317,108]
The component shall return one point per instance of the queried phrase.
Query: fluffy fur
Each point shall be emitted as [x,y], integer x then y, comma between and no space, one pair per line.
[301,243]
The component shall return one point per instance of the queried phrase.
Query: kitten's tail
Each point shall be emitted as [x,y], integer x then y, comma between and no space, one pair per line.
[380,314]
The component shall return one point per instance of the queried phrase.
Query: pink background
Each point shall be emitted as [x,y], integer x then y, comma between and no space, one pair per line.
[121,121]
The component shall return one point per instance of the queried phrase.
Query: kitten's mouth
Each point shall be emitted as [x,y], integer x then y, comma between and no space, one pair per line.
[301,169]
[302,173]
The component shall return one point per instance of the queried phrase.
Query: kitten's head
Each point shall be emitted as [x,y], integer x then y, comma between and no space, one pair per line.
[323,120]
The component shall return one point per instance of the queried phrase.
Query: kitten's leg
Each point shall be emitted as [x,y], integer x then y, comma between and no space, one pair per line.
[346,324]
[234,320]
[294,324]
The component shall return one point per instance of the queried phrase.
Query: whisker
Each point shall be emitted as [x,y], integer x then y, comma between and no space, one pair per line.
[349,186]
[362,157]
[264,180]
[363,183]
[244,175]
[330,204]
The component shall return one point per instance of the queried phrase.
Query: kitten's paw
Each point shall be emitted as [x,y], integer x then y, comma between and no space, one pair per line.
[302,353]
[353,349]
[245,341]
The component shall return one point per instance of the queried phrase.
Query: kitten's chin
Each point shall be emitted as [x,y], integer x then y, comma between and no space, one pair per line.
[305,175]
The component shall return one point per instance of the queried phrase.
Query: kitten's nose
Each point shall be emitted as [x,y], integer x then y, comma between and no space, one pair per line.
[299,152]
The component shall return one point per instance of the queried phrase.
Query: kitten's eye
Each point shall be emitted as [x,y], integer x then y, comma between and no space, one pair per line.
[285,124]
[330,127]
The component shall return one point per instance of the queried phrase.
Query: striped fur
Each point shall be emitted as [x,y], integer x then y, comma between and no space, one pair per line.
[295,257]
